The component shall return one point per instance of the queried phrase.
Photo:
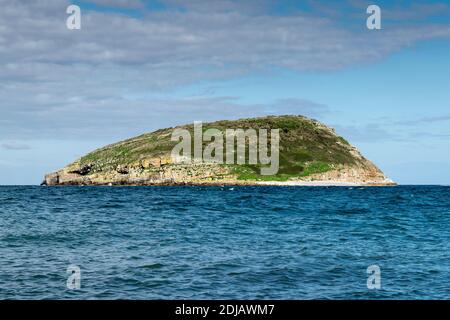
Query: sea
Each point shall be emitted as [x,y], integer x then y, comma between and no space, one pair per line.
[225,242]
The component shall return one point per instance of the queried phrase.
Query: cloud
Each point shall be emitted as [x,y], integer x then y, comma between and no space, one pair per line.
[400,131]
[406,11]
[81,117]
[424,120]
[130,4]
[15,146]
[367,133]
[224,6]
[429,135]
[108,77]
[193,39]
[295,106]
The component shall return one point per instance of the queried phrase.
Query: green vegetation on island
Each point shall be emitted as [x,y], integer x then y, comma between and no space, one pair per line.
[308,151]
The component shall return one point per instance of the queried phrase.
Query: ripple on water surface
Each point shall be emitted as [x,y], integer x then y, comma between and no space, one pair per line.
[224,243]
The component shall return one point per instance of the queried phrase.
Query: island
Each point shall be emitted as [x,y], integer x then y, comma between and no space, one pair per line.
[309,153]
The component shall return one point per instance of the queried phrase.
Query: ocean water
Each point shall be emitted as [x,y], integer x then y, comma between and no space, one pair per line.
[225,243]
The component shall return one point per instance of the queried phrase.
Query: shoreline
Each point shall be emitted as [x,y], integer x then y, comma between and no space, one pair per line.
[238,183]
[325,184]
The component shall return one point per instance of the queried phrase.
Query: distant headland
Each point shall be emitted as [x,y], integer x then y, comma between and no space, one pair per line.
[288,150]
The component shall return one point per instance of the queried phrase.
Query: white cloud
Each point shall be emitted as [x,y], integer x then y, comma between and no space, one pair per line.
[193,39]
[81,117]
[56,81]
[14,145]
[133,4]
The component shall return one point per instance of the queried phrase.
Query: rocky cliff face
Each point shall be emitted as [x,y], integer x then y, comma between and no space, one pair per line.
[309,152]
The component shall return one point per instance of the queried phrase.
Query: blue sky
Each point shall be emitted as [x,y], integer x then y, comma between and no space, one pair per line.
[136,66]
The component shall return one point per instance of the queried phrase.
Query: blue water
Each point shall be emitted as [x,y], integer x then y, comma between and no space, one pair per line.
[223,243]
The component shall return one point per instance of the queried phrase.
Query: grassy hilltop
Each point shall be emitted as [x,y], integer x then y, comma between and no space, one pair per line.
[309,151]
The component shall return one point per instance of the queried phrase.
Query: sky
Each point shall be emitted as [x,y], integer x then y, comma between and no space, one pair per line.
[136,66]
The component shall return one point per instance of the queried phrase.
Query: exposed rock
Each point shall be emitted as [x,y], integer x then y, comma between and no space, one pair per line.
[82,170]
[51,179]
[309,152]
[122,169]
[151,163]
